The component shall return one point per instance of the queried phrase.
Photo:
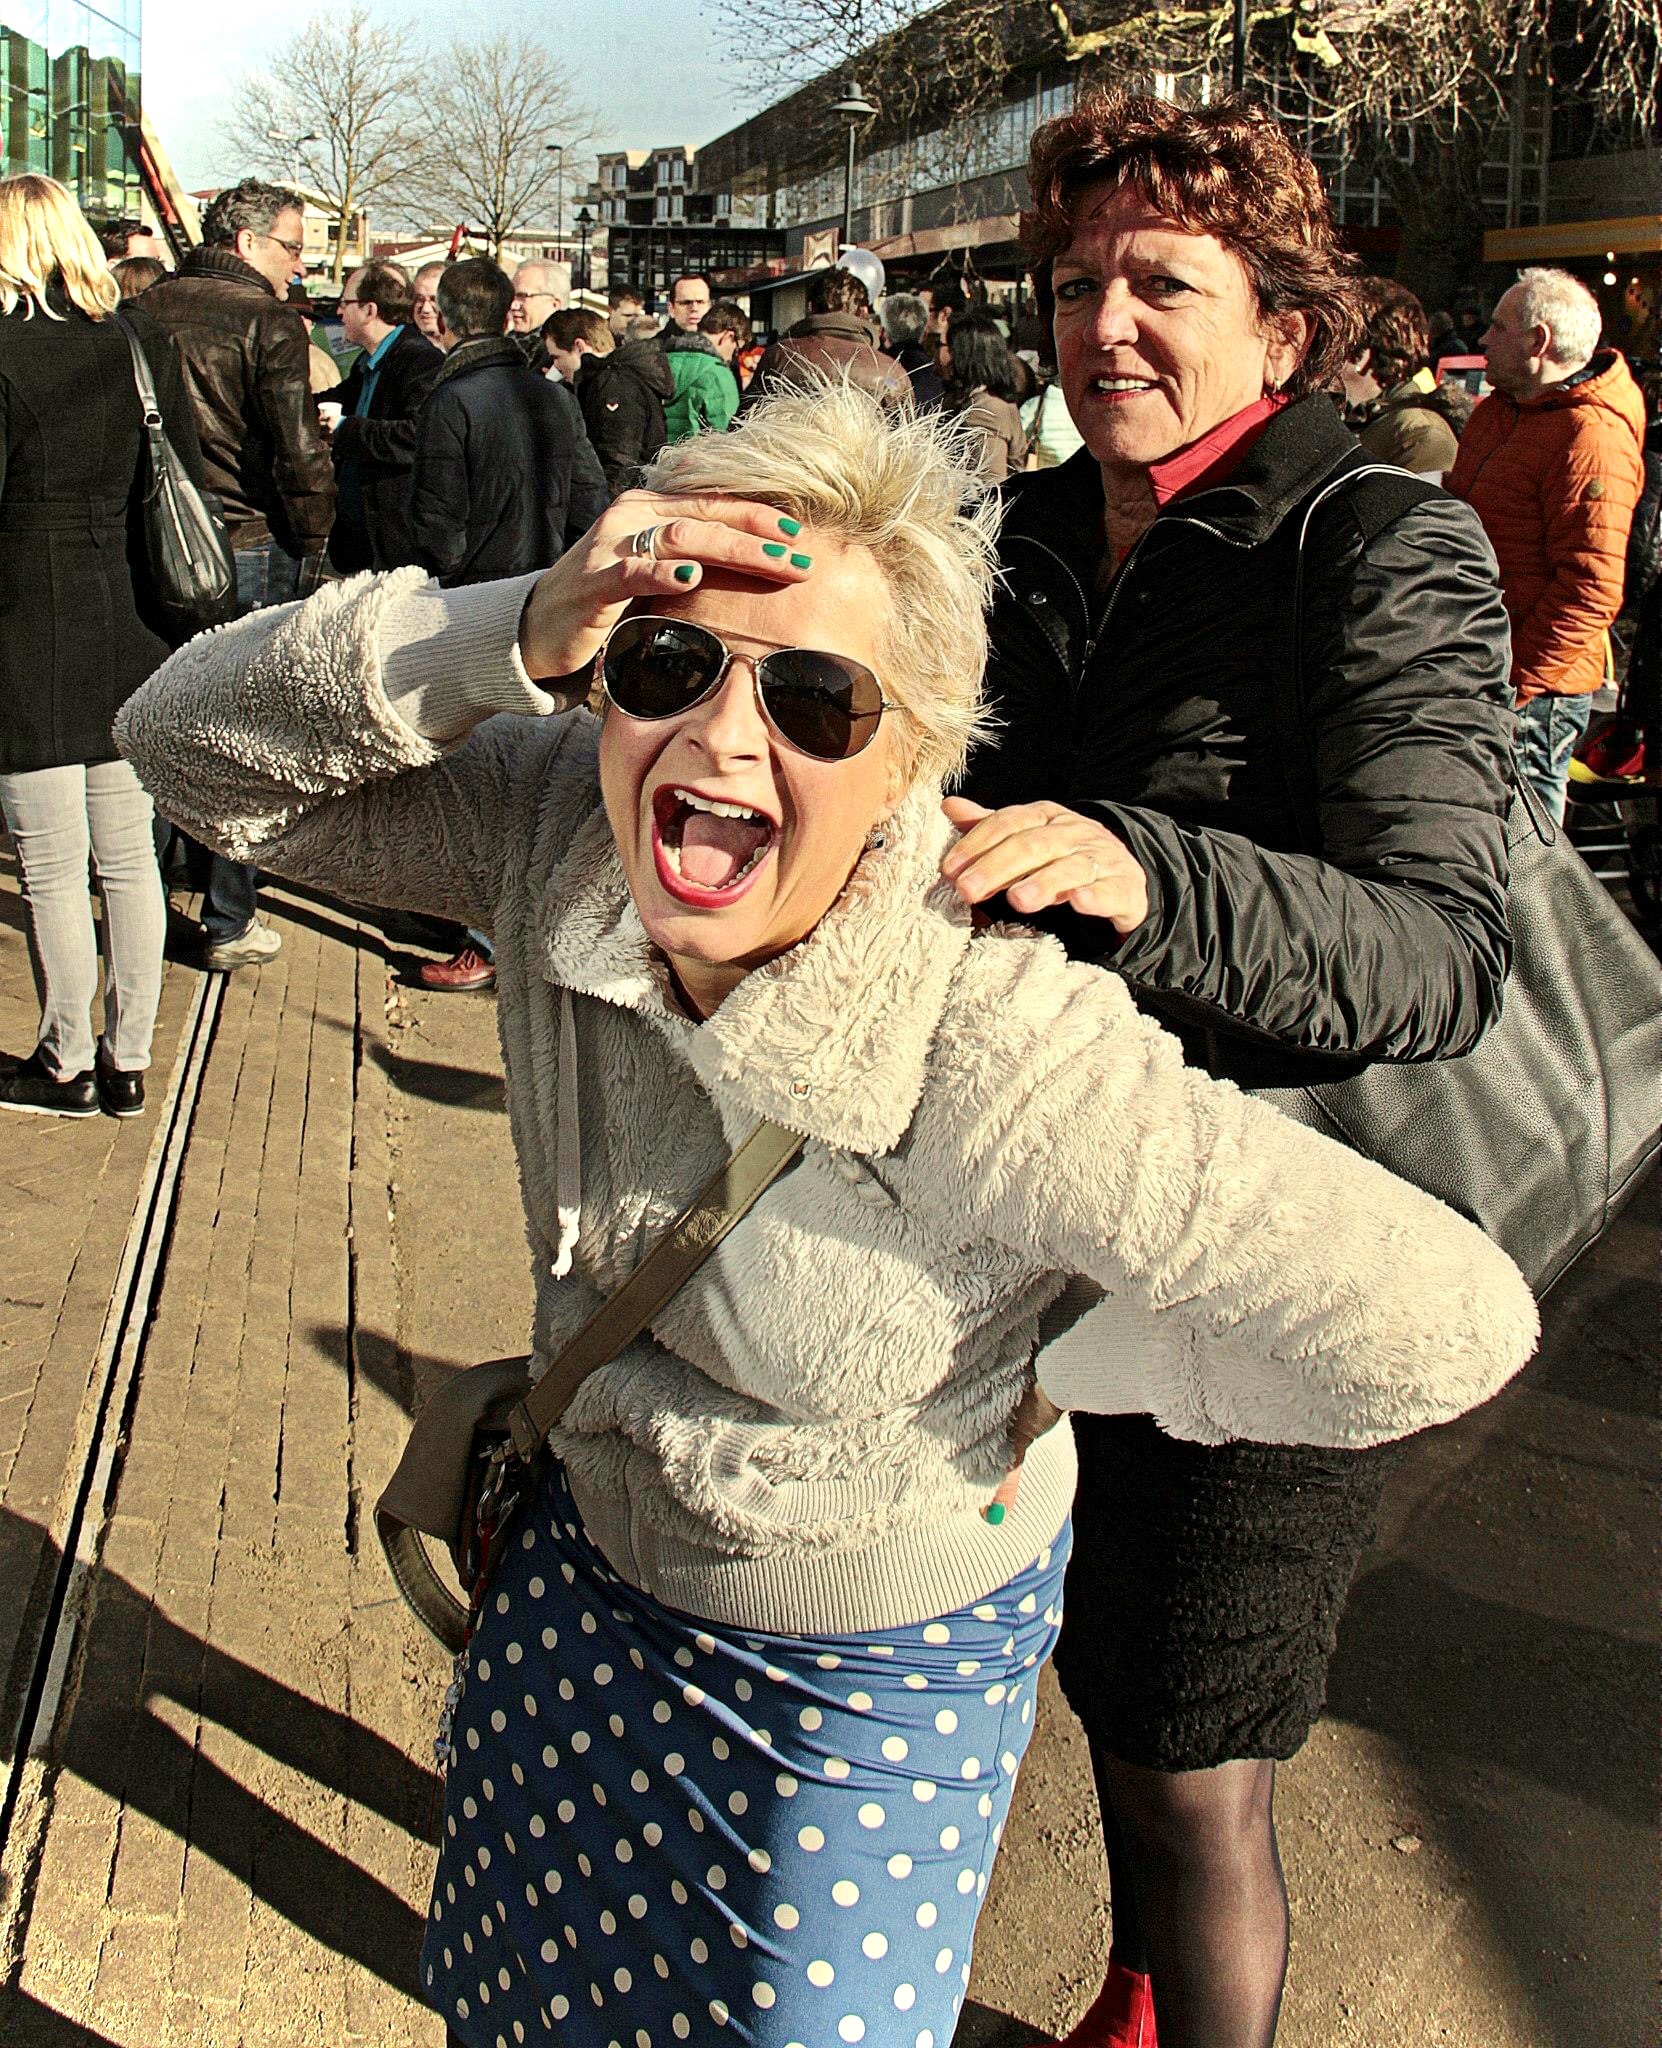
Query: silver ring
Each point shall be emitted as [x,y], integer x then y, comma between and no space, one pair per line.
[645,543]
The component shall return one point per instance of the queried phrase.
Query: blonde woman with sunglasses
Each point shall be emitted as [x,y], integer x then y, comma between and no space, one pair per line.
[737,1731]
[78,639]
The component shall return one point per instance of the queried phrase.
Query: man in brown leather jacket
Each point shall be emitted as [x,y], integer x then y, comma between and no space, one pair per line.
[247,365]
[247,369]
[836,336]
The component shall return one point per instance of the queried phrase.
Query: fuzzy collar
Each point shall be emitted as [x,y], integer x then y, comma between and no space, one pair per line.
[831,1039]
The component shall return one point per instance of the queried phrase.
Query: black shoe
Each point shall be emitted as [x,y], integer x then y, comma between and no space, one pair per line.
[26,1085]
[119,1094]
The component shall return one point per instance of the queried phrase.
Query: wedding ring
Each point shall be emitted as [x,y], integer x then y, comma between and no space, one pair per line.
[645,543]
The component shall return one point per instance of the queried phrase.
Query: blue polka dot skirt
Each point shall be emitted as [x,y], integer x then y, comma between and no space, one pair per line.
[660,1830]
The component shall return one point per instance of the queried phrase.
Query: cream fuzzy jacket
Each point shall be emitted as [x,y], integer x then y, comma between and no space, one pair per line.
[807,1437]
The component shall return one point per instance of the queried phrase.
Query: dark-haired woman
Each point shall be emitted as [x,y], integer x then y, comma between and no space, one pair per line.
[983,383]
[1256,755]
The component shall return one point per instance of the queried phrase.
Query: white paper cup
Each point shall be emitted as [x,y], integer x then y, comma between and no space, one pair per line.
[330,410]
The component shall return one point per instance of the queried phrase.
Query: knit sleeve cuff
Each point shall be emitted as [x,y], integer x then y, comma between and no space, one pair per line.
[450,658]
[1117,1360]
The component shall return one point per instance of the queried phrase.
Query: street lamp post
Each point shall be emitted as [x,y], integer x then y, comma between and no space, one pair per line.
[558,150]
[853,108]
[295,144]
[585,221]
[1237,55]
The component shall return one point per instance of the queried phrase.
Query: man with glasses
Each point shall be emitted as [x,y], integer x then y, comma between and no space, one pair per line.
[535,298]
[246,361]
[374,443]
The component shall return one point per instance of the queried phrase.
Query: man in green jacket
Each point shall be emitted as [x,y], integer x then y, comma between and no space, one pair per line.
[706,385]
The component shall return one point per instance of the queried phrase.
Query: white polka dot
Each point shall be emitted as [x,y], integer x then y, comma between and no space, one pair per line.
[760,1861]
[720,1750]
[827,1662]
[923,1791]
[484,1858]
[1007,1763]
[914,1681]
[700,1952]
[905,1997]
[737,1934]
[880,1649]
[693,1695]
[675,1763]
[937,1632]
[966,1882]
[896,1748]
[967,1667]
[538,1826]
[836,1767]
[950,1838]
[551,1882]
[772,1671]
[718,2012]
[900,1866]
[660,1967]
[584,1865]
[695,1820]
[660,1712]
[871,1815]
[851,2027]
[559,2007]
[566,1812]
[549,1953]
[513,1653]
[763,1995]
[684,1657]
[680,2027]
[737,1803]
[787,1917]
[846,1892]
[624,1850]
[946,1722]
[706,1643]
[499,1720]
[984,1806]
[588,1624]
[461,2008]
[743,1688]
[622,1979]
[926,2039]
[785,1785]
[678,1891]
[810,1718]
[993,1695]
[876,1946]
[1030,1605]
[860,1702]
[943,1962]
[985,1613]
[1026,1711]
[821,1975]
[716,1878]
[637,1906]
[971,1768]
[652,1834]
[926,1916]
[580,1742]
[639,1781]
[762,1737]
[484,1670]
[603,1674]
[810,1839]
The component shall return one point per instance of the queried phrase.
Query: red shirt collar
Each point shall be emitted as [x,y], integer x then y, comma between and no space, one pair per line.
[1210,459]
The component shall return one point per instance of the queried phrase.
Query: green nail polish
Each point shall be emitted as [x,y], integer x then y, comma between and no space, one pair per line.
[685,572]
[995,1514]
[802,561]
[791,526]
[773,547]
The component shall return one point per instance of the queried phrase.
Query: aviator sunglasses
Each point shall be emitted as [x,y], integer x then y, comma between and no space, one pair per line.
[822,705]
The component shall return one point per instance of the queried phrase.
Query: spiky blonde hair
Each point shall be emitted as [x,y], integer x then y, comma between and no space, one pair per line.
[902,486]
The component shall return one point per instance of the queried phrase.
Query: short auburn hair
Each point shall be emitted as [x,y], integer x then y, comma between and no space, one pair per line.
[1393,331]
[1228,170]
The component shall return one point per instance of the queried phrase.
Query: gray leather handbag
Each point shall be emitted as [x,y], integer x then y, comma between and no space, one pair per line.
[474,1452]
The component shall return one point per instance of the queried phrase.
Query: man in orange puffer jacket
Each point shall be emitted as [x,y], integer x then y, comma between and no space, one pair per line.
[1551,464]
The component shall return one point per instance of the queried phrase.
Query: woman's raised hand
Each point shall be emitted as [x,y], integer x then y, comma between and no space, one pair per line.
[580,599]
[1039,855]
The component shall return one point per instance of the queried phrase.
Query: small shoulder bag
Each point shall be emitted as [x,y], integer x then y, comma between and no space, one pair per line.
[190,580]
[1542,1131]
[474,1453]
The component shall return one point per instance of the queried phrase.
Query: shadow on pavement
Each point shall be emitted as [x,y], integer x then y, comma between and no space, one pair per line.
[436,1081]
[136,1655]
[26,2023]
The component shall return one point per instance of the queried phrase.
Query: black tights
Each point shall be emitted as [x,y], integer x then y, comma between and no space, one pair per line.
[1199,1901]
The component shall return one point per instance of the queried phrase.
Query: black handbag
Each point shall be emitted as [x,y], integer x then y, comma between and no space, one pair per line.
[190,571]
[1544,1130]
[473,1454]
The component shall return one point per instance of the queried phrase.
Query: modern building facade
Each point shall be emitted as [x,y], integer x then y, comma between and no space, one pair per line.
[70,99]
[655,216]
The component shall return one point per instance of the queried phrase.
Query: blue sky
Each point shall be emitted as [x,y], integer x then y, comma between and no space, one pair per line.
[651,67]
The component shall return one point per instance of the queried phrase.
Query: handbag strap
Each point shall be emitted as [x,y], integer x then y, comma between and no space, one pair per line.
[729,1194]
[143,382]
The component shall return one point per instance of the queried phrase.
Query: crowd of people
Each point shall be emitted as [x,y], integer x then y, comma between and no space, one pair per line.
[892,620]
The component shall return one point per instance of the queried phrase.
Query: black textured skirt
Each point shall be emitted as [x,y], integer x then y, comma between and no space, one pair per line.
[1205,1591]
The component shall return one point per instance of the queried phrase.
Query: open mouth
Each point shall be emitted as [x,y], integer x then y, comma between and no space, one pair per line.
[708,852]
[1122,387]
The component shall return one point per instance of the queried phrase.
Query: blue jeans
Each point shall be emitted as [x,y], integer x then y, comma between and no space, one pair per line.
[266,574]
[1549,731]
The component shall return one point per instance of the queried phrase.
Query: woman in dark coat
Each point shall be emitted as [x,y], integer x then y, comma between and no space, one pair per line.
[1256,756]
[75,647]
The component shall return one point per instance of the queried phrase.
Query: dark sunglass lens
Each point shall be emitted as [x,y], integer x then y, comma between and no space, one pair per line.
[823,704]
[657,668]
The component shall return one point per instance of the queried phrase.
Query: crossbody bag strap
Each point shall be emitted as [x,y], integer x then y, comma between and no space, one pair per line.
[729,1194]
[143,382]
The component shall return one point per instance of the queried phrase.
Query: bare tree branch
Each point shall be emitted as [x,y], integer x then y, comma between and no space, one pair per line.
[494,108]
[348,82]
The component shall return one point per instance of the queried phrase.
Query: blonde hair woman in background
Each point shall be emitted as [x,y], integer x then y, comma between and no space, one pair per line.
[76,645]
[740,1720]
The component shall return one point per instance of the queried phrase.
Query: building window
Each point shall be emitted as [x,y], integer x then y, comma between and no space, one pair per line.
[677,207]
[69,99]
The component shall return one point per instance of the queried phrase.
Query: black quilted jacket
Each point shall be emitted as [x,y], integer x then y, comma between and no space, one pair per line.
[1327,879]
